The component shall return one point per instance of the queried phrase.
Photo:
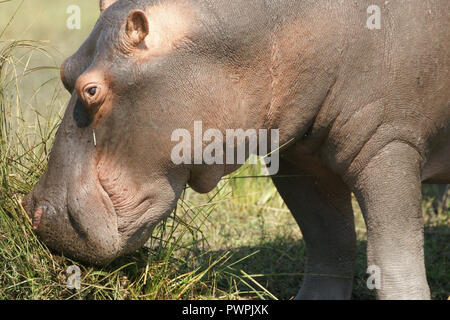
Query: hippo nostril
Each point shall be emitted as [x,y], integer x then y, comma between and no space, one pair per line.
[37,216]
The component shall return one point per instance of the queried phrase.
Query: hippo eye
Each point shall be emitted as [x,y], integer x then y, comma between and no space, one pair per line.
[92,91]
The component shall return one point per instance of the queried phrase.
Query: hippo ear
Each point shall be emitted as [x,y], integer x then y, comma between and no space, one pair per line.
[137,27]
[104,4]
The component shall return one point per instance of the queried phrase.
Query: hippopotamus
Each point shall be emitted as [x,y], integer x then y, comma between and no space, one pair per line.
[359,110]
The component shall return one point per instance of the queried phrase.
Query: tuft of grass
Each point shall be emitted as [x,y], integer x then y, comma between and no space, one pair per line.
[238,242]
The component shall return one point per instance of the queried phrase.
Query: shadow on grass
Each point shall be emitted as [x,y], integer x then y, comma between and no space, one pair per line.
[278,265]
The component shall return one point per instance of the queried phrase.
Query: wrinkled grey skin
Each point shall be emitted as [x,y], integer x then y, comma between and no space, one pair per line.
[364,111]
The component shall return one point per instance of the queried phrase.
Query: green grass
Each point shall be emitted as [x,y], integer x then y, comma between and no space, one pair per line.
[238,242]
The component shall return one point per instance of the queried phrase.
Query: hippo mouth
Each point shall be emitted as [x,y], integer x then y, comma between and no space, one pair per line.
[106,199]
[36,217]
[78,221]
[45,208]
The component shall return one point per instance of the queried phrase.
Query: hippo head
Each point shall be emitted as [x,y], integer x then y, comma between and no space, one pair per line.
[141,74]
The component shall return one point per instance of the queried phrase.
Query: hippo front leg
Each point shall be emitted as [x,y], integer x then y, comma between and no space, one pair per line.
[389,192]
[321,204]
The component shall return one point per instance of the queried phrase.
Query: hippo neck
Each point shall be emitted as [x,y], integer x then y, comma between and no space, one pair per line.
[295,54]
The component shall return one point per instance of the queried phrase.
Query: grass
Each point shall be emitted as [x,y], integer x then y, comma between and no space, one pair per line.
[238,242]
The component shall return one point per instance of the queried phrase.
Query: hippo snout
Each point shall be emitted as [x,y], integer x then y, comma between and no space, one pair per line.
[28,205]
[37,212]
[65,230]
[37,215]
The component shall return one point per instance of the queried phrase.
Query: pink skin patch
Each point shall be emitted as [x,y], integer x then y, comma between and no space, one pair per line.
[37,217]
